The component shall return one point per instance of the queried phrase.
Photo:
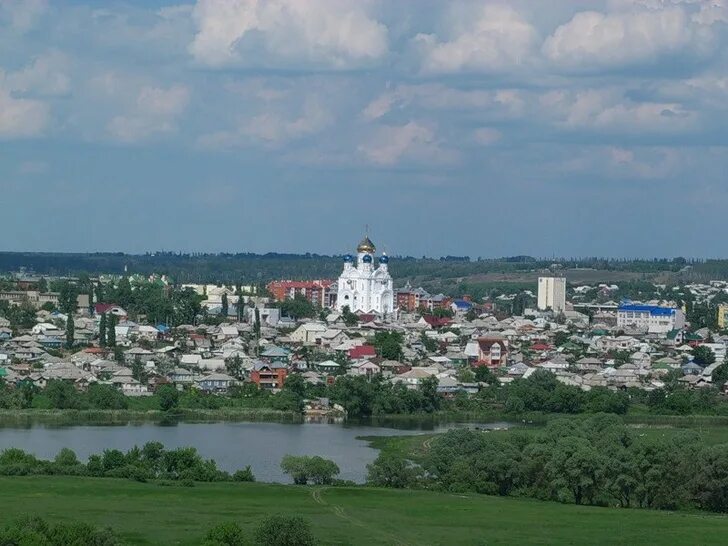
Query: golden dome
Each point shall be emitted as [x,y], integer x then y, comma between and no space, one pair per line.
[366,245]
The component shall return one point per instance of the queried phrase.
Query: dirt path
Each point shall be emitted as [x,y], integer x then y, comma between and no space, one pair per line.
[339,512]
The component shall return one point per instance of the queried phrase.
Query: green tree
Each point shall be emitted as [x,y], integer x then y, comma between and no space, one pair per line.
[226,534]
[70,332]
[68,298]
[388,345]
[298,307]
[703,356]
[256,324]
[62,395]
[168,397]
[350,319]
[42,285]
[224,309]
[111,331]
[391,470]
[102,330]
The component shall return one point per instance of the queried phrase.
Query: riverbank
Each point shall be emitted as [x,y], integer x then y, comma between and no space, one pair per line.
[29,417]
[424,421]
[148,513]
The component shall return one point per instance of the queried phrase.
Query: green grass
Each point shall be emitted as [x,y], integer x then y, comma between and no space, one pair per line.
[154,514]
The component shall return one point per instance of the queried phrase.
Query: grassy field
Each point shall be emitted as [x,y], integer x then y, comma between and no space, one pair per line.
[146,513]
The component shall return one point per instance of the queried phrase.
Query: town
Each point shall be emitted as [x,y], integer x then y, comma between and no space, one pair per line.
[139,334]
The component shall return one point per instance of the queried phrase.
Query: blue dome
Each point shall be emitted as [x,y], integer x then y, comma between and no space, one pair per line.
[349,258]
[367,259]
[384,259]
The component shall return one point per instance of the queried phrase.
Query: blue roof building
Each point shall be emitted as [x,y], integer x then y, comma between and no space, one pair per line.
[652,319]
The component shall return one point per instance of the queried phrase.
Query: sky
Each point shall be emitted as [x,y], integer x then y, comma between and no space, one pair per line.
[481,128]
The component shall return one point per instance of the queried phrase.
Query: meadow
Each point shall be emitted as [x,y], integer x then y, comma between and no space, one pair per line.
[150,513]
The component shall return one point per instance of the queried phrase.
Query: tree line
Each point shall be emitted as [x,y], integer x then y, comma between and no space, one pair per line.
[596,461]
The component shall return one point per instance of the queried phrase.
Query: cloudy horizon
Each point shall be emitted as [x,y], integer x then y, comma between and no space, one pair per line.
[481,128]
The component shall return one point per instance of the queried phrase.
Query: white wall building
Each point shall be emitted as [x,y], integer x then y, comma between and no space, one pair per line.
[652,319]
[552,294]
[362,286]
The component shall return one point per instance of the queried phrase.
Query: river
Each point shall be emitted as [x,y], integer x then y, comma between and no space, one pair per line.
[231,445]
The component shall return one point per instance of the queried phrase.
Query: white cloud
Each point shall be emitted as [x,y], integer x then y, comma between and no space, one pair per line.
[22,15]
[155,110]
[596,40]
[437,96]
[610,110]
[486,136]
[413,141]
[20,117]
[329,33]
[275,128]
[497,38]
[46,75]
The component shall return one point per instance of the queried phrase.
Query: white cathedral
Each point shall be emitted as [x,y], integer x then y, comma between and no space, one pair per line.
[363,287]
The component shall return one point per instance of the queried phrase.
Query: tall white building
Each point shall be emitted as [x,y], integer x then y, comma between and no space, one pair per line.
[652,319]
[362,286]
[552,294]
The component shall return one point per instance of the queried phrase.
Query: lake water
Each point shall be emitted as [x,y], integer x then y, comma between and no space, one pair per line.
[231,445]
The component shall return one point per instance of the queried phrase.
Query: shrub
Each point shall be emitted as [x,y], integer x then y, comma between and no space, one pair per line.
[245,475]
[226,534]
[280,530]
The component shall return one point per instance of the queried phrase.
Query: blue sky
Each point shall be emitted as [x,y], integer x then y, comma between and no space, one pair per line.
[487,128]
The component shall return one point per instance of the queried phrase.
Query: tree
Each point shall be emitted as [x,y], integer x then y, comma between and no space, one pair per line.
[303,469]
[137,370]
[703,356]
[720,375]
[68,298]
[240,307]
[70,332]
[296,384]
[111,331]
[234,366]
[483,374]
[62,395]
[388,345]
[390,470]
[102,330]
[226,534]
[298,307]
[42,285]
[224,309]
[349,318]
[106,397]
[168,397]
[280,530]
[256,324]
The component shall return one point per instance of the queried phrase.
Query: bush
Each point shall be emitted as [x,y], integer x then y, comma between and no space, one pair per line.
[66,457]
[245,475]
[226,534]
[34,531]
[304,469]
[280,530]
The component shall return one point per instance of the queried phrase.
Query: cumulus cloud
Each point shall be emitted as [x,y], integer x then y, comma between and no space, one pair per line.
[22,15]
[336,34]
[45,75]
[413,141]
[497,37]
[438,96]
[274,126]
[486,136]
[21,117]
[154,111]
[597,40]
[610,110]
